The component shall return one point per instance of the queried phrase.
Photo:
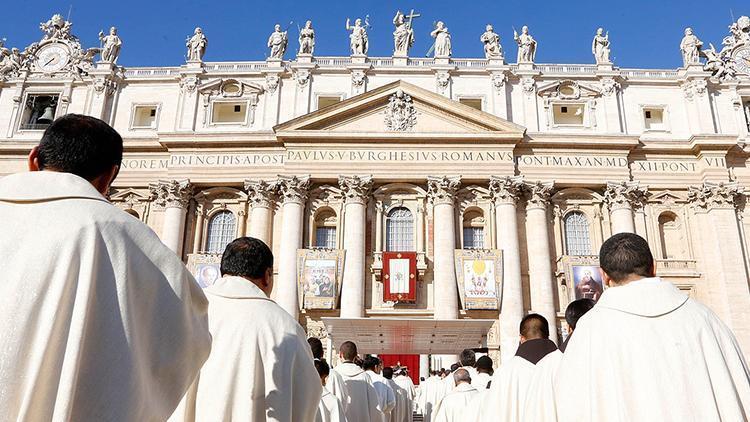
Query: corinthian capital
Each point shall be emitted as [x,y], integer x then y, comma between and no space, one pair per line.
[506,189]
[442,190]
[538,194]
[355,189]
[171,193]
[293,189]
[627,194]
[260,193]
[715,195]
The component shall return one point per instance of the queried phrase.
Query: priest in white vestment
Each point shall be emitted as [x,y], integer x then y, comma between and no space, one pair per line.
[484,373]
[434,391]
[386,396]
[260,367]
[403,379]
[403,411]
[510,383]
[454,406]
[361,402]
[329,409]
[99,321]
[647,351]
[334,382]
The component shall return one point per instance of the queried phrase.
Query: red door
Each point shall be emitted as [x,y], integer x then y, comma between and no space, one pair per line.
[411,362]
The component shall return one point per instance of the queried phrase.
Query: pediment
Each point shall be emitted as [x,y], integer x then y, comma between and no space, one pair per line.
[399,109]
[229,88]
[567,89]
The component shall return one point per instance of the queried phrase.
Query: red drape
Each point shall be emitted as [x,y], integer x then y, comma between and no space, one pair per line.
[411,362]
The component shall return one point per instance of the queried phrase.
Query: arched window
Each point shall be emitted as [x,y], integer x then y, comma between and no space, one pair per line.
[221,231]
[669,232]
[325,230]
[133,212]
[473,230]
[399,230]
[577,240]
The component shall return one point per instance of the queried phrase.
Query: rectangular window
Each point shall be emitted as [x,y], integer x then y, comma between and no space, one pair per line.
[653,118]
[568,115]
[327,100]
[475,103]
[144,117]
[39,111]
[229,112]
[325,237]
[473,237]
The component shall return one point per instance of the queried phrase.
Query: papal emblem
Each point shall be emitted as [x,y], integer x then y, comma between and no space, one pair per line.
[400,114]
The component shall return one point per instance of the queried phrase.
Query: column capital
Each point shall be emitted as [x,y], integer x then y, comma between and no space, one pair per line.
[260,193]
[356,189]
[293,189]
[442,189]
[506,189]
[171,193]
[538,194]
[627,194]
[712,195]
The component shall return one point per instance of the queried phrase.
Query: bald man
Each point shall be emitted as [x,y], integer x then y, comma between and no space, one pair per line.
[510,384]
[453,407]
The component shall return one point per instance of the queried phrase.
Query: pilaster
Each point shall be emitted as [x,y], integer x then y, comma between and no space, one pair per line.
[442,192]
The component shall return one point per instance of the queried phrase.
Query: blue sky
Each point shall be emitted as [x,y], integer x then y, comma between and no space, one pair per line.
[644,33]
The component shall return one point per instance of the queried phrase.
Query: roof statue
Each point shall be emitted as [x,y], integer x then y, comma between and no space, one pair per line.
[403,35]
[277,42]
[526,45]
[600,47]
[358,42]
[307,39]
[111,45]
[491,41]
[196,45]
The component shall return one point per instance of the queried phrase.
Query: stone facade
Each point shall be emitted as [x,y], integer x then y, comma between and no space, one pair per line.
[514,149]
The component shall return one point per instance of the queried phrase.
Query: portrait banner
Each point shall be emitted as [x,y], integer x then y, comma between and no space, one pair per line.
[319,275]
[583,277]
[400,277]
[205,267]
[479,275]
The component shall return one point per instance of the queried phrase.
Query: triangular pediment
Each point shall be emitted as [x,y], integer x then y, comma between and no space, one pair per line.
[399,109]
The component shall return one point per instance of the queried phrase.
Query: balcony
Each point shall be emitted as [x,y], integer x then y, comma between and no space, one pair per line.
[677,268]
[377,264]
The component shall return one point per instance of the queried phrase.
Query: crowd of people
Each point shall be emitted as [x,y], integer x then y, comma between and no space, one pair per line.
[102,322]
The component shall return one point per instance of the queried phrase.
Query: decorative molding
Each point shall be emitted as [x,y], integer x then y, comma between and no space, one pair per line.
[302,76]
[171,193]
[712,195]
[538,194]
[272,83]
[400,114]
[442,189]
[355,189]
[260,193]
[442,79]
[189,84]
[359,77]
[628,194]
[498,81]
[528,85]
[293,189]
[506,190]
[610,87]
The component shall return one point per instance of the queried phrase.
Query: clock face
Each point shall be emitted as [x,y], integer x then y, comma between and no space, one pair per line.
[742,60]
[52,57]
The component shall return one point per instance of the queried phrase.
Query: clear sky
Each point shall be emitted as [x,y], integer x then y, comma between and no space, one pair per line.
[644,33]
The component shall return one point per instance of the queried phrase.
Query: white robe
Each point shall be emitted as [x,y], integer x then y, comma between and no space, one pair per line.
[329,409]
[403,410]
[450,382]
[539,405]
[335,385]
[361,403]
[99,320]
[480,380]
[648,352]
[407,384]
[454,406]
[260,367]
[386,396]
[434,391]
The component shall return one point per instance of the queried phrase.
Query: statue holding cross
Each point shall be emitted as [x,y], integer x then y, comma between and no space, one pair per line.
[403,36]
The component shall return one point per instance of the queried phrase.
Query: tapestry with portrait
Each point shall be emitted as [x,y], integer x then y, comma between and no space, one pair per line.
[479,274]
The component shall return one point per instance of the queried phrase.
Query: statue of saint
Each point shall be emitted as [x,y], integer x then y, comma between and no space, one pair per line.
[358,38]
[307,39]
[526,45]
[277,42]
[196,46]
[690,46]
[111,45]
[403,35]
[491,41]
[600,47]
[442,40]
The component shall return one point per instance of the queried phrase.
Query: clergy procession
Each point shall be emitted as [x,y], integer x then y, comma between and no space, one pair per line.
[102,322]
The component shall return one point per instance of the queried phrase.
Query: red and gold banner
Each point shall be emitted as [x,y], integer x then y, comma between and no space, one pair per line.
[400,276]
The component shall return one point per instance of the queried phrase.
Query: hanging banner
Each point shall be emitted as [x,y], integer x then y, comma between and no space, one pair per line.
[205,267]
[479,274]
[400,277]
[319,275]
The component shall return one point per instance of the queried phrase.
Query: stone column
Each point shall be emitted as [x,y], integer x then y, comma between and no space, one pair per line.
[723,257]
[541,282]
[200,218]
[261,195]
[174,196]
[293,191]
[442,191]
[621,198]
[356,190]
[505,192]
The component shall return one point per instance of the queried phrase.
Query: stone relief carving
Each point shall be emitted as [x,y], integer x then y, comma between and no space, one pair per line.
[491,41]
[111,45]
[355,189]
[609,87]
[442,40]
[695,87]
[506,189]
[196,46]
[302,76]
[307,39]
[526,45]
[498,81]
[358,78]
[272,82]
[690,47]
[528,85]
[442,189]
[628,194]
[715,195]
[171,193]
[260,193]
[538,193]
[189,84]
[443,80]
[600,47]
[293,188]
[403,35]
[358,42]
[400,114]
[277,42]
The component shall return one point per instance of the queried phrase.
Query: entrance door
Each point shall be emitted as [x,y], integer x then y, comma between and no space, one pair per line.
[411,362]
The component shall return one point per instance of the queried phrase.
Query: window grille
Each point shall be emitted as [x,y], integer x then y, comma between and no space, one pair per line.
[325,237]
[577,240]
[399,230]
[473,237]
[221,231]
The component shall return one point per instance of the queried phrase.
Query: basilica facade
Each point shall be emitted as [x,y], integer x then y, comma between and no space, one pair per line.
[419,205]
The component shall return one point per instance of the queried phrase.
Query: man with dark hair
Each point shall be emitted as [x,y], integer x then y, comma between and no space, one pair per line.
[455,405]
[260,367]
[484,373]
[100,320]
[334,384]
[647,351]
[575,310]
[402,412]
[467,360]
[361,401]
[329,409]
[386,396]
[536,354]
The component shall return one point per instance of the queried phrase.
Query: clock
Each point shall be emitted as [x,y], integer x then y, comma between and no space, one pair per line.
[742,60]
[52,57]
